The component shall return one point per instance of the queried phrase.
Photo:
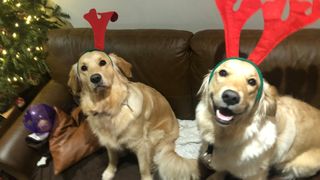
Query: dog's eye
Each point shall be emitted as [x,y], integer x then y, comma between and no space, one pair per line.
[102,63]
[223,73]
[84,68]
[252,82]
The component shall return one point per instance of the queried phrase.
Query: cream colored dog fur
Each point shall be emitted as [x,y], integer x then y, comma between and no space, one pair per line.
[277,131]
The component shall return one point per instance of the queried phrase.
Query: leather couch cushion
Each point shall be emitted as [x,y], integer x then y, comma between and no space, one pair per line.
[92,168]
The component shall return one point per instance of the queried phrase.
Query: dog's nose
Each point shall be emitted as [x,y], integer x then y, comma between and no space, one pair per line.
[95,78]
[230,97]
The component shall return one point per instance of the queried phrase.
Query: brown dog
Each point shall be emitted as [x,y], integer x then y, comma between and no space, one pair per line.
[128,115]
[250,136]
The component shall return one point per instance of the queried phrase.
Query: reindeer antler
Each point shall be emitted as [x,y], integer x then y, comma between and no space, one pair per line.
[234,21]
[99,25]
[275,29]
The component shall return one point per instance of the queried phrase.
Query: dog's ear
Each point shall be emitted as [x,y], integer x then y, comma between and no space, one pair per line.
[123,65]
[204,86]
[268,102]
[74,81]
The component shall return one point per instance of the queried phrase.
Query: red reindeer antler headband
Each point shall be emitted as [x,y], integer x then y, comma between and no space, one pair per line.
[275,29]
[99,25]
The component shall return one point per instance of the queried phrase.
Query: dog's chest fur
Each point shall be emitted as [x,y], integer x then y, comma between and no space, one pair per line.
[247,158]
[252,151]
[116,130]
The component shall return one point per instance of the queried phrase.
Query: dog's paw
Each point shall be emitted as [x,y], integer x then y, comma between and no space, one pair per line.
[146,178]
[108,175]
[292,171]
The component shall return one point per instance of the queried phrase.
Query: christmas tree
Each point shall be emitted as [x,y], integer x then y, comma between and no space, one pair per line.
[23,32]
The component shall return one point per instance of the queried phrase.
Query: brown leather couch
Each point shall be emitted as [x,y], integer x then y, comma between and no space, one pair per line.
[173,62]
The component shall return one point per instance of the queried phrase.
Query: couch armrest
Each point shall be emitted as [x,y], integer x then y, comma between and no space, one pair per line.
[16,158]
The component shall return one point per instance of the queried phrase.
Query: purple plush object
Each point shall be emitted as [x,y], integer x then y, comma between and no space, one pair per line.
[39,118]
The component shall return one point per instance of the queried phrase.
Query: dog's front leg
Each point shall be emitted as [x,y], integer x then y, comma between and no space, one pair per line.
[144,160]
[109,173]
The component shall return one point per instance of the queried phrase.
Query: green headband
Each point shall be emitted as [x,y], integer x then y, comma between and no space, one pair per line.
[248,61]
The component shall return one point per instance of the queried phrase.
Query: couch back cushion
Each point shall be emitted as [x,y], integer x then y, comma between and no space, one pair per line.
[293,66]
[160,59]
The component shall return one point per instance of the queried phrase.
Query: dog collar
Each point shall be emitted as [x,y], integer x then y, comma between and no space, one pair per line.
[210,149]
[206,156]
[258,97]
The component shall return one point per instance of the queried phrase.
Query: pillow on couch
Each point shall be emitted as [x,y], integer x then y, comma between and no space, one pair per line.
[71,140]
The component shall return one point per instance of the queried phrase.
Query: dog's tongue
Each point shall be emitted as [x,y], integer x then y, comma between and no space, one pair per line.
[223,117]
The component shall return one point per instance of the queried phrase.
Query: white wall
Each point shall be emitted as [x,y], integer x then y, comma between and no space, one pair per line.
[191,15]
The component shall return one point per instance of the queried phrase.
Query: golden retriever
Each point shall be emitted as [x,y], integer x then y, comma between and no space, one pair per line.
[128,115]
[252,135]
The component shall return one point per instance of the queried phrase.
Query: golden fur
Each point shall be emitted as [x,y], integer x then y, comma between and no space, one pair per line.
[276,131]
[128,115]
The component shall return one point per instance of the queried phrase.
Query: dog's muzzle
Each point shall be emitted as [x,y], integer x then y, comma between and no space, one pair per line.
[224,116]
[230,97]
[95,78]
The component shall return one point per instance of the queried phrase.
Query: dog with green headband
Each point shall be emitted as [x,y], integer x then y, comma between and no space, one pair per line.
[246,127]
